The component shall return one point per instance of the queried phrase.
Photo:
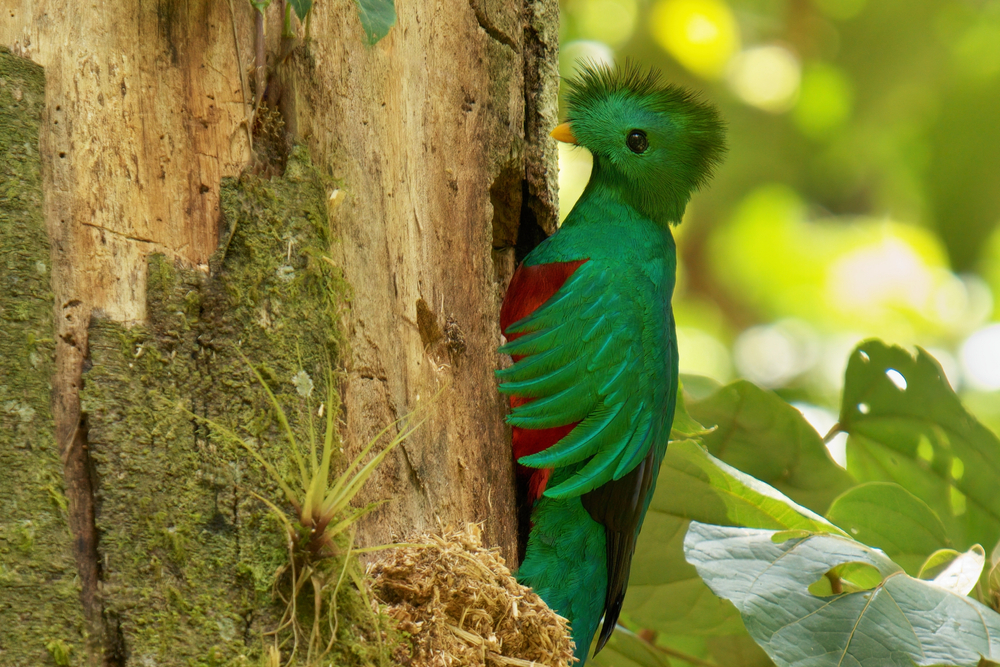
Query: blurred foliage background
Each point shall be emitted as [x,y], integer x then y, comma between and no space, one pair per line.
[860,196]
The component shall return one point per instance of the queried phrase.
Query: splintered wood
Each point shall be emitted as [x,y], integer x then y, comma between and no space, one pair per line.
[462,607]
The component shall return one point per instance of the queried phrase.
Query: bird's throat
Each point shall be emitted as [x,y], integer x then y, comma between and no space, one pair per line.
[662,202]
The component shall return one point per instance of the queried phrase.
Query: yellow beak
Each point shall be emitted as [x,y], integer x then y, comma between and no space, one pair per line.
[563,133]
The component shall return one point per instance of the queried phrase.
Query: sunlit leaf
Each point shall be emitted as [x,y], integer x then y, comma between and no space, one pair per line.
[921,438]
[764,436]
[665,593]
[887,516]
[902,619]
[377,17]
[963,572]
[936,563]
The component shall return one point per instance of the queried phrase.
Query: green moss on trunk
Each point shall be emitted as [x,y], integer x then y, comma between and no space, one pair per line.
[39,595]
[189,556]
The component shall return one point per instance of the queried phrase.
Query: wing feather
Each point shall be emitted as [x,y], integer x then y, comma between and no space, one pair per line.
[593,353]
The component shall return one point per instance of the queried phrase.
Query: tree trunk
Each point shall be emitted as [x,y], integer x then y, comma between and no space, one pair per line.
[368,213]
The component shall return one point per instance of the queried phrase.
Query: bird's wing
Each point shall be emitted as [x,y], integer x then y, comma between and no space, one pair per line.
[594,353]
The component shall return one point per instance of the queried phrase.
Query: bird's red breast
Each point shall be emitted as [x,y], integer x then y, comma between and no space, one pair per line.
[530,287]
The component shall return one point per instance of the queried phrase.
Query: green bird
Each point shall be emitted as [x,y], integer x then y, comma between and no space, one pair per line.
[590,328]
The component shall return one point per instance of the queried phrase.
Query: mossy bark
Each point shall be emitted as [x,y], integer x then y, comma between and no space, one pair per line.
[427,156]
[189,556]
[39,591]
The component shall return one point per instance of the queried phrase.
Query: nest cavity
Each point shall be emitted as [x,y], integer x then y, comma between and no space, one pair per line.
[462,607]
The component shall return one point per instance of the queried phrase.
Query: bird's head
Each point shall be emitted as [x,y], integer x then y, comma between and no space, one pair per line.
[653,143]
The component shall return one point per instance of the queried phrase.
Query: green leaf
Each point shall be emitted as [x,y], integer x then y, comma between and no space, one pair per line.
[684,426]
[902,619]
[936,562]
[665,593]
[625,649]
[703,488]
[764,436]
[260,5]
[887,516]
[737,651]
[906,425]
[301,7]
[963,572]
[756,430]
[377,17]
[698,387]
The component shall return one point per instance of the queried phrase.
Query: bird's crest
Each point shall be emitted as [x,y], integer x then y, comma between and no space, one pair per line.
[605,102]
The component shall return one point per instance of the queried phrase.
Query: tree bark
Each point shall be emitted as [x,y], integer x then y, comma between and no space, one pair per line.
[421,163]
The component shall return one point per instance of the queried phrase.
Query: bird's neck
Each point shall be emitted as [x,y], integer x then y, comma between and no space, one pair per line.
[659,202]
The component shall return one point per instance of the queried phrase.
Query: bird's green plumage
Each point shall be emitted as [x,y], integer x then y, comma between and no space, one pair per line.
[602,351]
[593,352]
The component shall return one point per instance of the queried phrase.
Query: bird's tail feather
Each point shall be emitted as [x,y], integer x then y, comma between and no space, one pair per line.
[620,546]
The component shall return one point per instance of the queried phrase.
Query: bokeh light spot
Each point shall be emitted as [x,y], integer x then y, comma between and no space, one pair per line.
[703,354]
[980,358]
[825,100]
[766,77]
[887,272]
[701,35]
[977,51]
[772,355]
[580,52]
[609,21]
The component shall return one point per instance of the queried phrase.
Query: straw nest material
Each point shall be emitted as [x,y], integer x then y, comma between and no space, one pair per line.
[462,608]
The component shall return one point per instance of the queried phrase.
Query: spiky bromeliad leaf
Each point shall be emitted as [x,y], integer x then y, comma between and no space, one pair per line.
[377,17]
[898,620]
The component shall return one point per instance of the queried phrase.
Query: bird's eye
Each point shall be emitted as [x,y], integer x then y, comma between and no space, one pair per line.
[637,142]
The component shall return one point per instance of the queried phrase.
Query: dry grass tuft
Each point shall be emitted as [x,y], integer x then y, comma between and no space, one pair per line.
[463,608]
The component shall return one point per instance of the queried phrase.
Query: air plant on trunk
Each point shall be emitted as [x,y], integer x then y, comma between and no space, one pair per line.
[320,526]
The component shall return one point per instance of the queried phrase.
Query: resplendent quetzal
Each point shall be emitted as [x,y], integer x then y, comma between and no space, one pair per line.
[591,331]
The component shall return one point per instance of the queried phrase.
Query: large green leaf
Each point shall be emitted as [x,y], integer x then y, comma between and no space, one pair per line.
[758,431]
[665,593]
[702,488]
[624,649]
[737,651]
[377,17]
[887,516]
[762,435]
[906,425]
[899,620]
